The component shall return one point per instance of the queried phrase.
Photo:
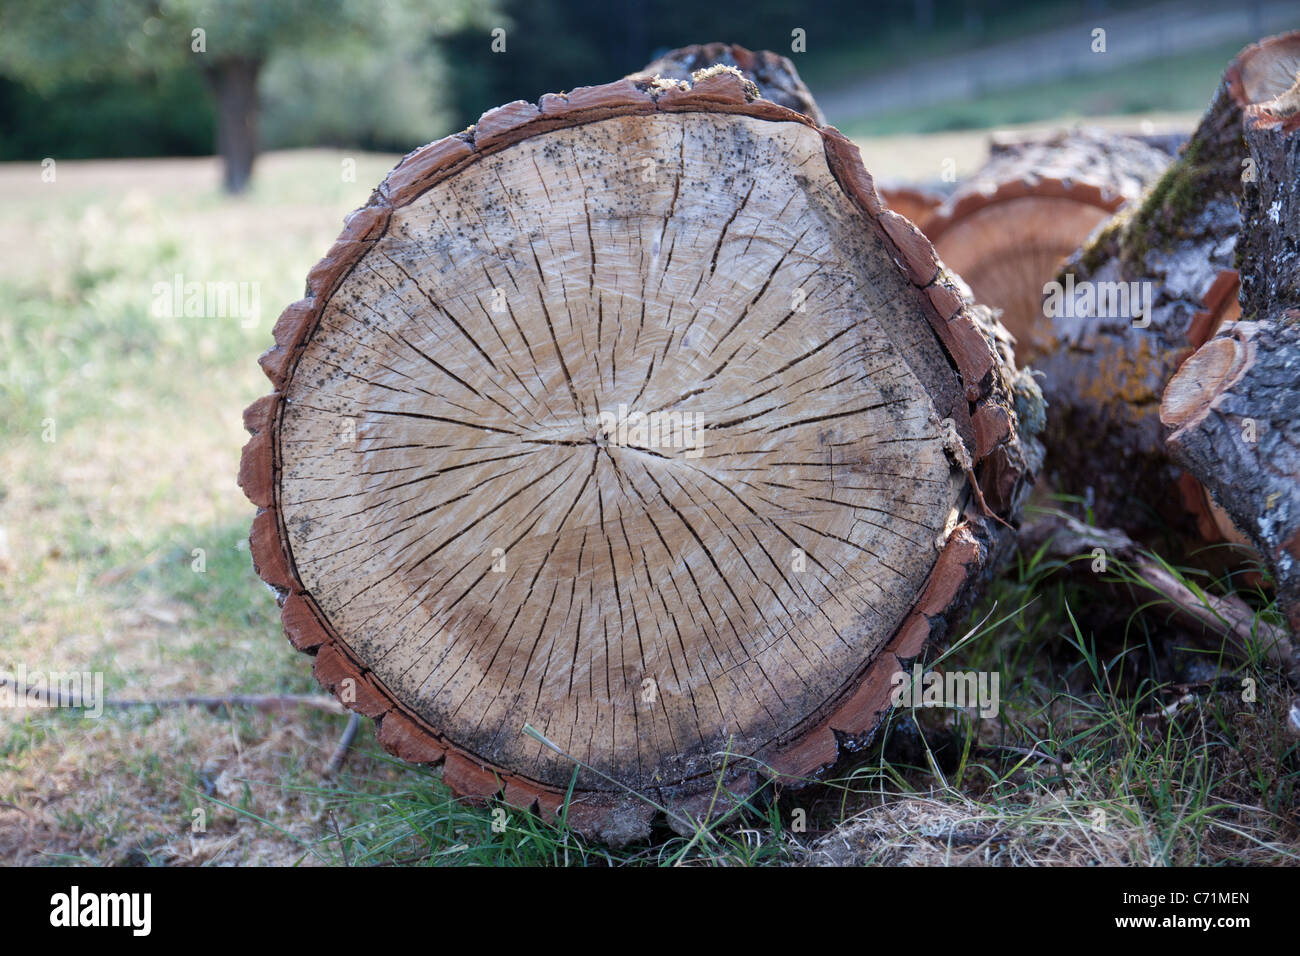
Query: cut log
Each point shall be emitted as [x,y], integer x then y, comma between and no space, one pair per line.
[632,417]
[1008,228]
[1233,408]
[1151,286]
[1169,141]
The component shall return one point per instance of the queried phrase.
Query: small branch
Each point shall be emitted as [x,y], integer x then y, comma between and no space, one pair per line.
[966,837]
[343,847]
[268,703]
[345,744]
[1066,538]
[1169,711]
[1028,752]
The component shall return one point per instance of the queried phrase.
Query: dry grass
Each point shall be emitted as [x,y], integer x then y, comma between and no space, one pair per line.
[954,831]
[101,525]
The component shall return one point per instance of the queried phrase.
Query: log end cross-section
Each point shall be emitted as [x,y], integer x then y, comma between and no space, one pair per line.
[631,416]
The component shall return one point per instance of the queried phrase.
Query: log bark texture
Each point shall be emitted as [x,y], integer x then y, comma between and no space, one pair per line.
[913,202]
[1233,408]
[1150,287]
[774,77]
[462,531]
[1007,229]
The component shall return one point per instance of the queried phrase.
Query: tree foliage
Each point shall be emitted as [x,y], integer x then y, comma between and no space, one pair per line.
[360,71]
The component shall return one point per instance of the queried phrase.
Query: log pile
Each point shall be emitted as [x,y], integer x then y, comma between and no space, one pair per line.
[1162,278]
[1007,228]
[628,444]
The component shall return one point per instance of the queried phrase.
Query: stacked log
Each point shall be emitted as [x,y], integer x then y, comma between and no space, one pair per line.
[1233,408]
[1154,284]
[1008,228]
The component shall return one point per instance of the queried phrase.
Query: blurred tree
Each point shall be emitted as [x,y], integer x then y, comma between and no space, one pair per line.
[165,115]
[229,41]
[554,45]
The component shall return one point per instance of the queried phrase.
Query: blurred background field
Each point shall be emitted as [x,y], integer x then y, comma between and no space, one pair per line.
[91,79]
[123,535]
[102,524]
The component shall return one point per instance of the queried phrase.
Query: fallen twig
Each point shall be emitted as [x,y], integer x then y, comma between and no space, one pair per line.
[1031,753]
[1065,538]
[345,744]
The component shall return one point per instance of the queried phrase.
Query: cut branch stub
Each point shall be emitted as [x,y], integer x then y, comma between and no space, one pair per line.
[774,76]
[633,417]
[1007,230]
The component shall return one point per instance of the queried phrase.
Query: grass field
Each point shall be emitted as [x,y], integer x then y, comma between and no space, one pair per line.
[1182,83]
[123,550]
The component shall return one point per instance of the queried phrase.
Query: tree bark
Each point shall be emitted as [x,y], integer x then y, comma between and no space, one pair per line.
[1007,229]
[913,202]
[1109,360]
[465,533]
[774,77]
[233,81]
[1232,407]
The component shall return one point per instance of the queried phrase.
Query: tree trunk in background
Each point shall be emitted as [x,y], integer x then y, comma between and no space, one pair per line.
[1234,406]
[233,81]
[467,528]
[1106,368]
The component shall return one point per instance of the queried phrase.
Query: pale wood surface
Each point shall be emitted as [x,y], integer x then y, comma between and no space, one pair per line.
[735,286]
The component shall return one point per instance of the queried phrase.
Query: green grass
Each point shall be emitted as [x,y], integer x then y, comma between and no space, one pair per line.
[1170,84]
[103,521]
